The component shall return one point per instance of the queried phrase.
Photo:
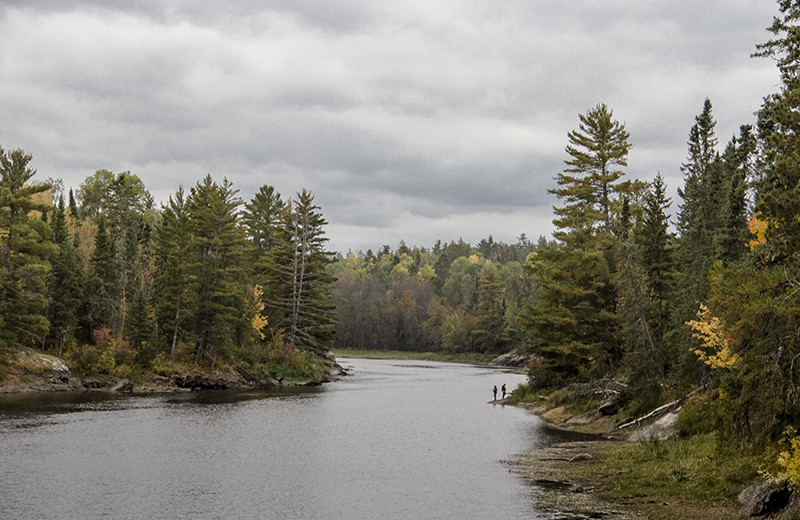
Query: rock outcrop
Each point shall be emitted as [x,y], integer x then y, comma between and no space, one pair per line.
[37,372]
[764,498]
[510,359]
[219,381]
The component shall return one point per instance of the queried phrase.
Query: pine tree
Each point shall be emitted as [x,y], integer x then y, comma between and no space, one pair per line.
[24,245]
[574,326]
[260,219]
[217,267]
[173,251]
[260,215]
[298,262]
[597,149]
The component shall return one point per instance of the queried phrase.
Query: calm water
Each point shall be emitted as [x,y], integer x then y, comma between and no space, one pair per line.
[396,440]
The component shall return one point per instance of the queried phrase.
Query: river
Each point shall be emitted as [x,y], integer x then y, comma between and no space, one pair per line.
[394,440]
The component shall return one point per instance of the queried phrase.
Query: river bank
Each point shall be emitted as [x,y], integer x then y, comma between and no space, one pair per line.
[593,470]
[33,371]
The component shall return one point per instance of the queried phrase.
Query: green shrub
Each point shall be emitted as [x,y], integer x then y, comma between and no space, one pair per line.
[788,459]
[696,416]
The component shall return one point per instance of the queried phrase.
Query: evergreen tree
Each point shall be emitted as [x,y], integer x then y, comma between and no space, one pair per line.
[103,284]
[73,208]
[260,215]
[574,326]
[636,310]
[298,264]
[260,219]
[597,150]
[24,245]
[217,268]
[779,126]
[654,243]
[732,237]
[173,251]
[487,336]
[140,329]
[63,284]
[699,221]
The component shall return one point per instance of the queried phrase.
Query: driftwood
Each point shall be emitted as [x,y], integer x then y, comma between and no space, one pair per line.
[661,409]
[653,413]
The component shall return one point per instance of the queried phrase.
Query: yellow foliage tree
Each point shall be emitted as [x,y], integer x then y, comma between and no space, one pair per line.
[757,227]
[716,350]
[259,321]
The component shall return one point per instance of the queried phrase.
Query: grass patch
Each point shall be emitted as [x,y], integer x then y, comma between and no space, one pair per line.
[472,358]
[693,468]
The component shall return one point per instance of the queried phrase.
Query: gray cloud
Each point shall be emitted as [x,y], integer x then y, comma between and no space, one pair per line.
[408,120]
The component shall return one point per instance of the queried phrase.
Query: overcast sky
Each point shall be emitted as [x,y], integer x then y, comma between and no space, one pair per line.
[411,120]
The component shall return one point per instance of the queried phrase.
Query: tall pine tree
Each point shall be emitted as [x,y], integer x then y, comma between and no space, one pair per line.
[24,245]
[298,263]
[574,325]
[173,249]
[217,268]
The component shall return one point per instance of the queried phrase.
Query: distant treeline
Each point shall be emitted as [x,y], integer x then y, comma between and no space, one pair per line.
[452,297]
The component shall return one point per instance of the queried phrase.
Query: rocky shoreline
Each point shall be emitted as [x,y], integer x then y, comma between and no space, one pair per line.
[569,477]
[45,373]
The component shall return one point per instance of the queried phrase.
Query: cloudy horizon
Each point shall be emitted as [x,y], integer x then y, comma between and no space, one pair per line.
[411,121]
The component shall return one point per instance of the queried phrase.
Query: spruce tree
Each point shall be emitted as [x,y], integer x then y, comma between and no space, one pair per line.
[103,284]
[732,236]
[140,329]
[779,127]
[655,246]
[699,220]
[73,208]
[24,245]
[63,285]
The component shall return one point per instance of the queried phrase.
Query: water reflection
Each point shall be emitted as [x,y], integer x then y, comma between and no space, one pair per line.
[395,440]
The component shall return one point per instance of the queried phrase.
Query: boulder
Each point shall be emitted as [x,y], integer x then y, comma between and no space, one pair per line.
[609,407]
[661,430]
[197,381]
[763,498]
[510,359]
[123,385]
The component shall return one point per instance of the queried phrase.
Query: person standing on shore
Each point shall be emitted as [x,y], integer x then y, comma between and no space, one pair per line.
[504,390]
[494,390]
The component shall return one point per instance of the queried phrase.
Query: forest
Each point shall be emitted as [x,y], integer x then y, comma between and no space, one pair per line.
[119,287]
[655,305]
